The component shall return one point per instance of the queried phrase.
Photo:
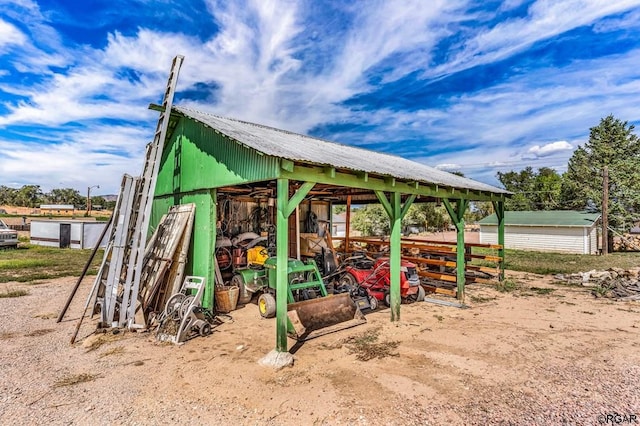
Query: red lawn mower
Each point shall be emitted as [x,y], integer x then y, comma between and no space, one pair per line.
[375,278]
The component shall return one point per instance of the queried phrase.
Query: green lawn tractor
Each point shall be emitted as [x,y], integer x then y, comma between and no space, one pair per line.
[311,311]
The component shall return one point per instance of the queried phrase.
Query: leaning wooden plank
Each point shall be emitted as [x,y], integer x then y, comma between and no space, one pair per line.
[484,245]
[183,252]
[438,276]
[481,280]
[167,239]
[426,261]
[439,290]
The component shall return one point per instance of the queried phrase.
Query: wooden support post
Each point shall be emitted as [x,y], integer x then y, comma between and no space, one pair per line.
[605,212]
[457,216]
[498,206]
[282,255]
[347,230]
[284,208]
[394,270]
[396,212]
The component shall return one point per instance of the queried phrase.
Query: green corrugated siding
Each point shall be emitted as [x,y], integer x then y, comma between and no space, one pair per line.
[198,158]
[544,218]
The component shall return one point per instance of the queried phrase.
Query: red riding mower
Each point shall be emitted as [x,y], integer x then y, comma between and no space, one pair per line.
[375,278]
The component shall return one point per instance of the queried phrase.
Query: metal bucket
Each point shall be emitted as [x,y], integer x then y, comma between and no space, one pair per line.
[317,317]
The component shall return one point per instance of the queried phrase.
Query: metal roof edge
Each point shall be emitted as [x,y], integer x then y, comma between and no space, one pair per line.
[185,112]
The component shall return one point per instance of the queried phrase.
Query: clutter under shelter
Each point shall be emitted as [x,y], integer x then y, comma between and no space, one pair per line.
[260,191]
[255,226]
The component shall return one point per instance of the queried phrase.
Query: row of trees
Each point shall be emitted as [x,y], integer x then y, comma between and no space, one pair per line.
[371,219]
[612,144]
[33,196]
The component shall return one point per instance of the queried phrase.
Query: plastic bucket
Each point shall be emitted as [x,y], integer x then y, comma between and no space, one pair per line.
[226,298]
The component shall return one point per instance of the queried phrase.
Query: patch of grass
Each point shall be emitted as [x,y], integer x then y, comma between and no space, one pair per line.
[30,263]
[24,263]
[7,335]
[97,340]
[117,350]
[440,318]
[75,379]
[366,346]
[507,286]
[40,332]
[600,291]
[587,312]
[480,299]
[542,291]
[558,263]
[13,293]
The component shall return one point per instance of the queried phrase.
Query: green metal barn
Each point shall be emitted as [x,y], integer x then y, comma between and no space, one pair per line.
[207,159]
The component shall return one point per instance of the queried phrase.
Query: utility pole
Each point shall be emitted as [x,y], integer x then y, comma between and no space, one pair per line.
[605,203]
[88,213]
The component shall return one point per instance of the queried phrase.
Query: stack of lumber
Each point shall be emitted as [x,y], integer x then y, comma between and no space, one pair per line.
[614,283]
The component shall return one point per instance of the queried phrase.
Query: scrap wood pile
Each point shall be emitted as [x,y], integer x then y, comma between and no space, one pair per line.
[436,260]
[614,283]
[626,242]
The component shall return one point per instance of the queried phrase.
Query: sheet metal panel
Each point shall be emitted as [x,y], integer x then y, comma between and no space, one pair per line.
[45,233]
[91,232]
[76,235]
[83,234]
[296,147]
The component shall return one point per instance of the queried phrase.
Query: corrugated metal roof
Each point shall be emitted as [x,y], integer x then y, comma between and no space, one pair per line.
[307,149]
[544,218]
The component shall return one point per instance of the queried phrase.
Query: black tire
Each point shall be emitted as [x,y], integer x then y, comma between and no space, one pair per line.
[347,282]
[421,294]
[373,302]
[244,295]
[172,309]
[205,330]
[387,299]
[267,305]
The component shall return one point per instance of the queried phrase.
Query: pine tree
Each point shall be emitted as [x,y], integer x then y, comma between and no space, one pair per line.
[612,143]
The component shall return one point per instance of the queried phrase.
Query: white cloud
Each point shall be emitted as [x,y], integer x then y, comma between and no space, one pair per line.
[77,158]
[254,60]
[10,35]
[448,167]
[545,19]
[547,150]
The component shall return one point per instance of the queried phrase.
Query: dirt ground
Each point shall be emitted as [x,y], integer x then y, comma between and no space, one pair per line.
[521,357]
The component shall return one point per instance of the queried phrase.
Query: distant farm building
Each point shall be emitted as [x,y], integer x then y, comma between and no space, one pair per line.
[57,209]
[564,231]
[66,233]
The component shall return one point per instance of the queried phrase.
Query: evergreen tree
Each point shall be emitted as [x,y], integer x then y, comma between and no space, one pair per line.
[613,144]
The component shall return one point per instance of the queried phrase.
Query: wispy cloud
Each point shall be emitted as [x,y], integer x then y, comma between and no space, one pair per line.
[10,35]
[333,68]
[545,19]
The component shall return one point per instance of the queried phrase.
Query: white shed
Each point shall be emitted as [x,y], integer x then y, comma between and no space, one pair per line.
[67,233]
[565,231]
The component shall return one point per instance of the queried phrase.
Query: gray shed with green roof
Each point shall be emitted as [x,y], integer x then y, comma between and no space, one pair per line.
[566,231]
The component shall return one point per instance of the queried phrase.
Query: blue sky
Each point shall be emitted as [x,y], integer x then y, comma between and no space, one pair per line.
[474,86]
